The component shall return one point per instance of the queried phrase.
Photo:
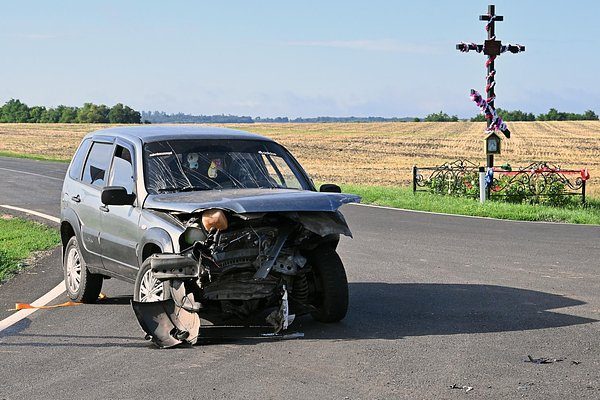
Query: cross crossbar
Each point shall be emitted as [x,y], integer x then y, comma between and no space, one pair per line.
[487,17]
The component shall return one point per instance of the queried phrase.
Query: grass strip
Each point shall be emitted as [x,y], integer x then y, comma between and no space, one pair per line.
[19,238]
[404,198]
[33,156]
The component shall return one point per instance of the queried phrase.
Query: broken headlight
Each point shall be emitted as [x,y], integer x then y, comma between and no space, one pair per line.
[193,234]
[214,219]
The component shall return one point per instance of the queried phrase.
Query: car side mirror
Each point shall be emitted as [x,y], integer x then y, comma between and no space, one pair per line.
[116,196]
[330,188]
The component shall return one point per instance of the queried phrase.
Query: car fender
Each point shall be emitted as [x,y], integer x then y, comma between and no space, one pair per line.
[69,216]
[157,236]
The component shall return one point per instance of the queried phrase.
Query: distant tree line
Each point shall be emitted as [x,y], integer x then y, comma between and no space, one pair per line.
[333,119]
[555,115]
[159,117]
[516,115]
[438,117]
[552,115]
[17,111]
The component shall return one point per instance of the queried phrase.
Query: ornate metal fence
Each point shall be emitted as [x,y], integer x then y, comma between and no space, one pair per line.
[454,178]
[539,182]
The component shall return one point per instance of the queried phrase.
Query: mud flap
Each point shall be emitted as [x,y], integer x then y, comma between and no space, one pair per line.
[166,324]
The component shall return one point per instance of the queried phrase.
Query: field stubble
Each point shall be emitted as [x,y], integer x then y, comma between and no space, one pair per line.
[370,153]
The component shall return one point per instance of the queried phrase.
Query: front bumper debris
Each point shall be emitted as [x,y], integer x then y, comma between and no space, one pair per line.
[171,322]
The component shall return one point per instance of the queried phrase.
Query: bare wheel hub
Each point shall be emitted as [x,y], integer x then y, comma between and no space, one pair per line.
[151,289]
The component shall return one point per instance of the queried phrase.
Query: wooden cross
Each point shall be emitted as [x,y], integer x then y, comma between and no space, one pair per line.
[491,48]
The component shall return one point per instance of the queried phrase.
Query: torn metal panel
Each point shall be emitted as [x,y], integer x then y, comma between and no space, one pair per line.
[281,318]
[273,253]
[322,223]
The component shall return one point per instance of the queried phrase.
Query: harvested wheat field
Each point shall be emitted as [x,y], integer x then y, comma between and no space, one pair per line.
[371,153]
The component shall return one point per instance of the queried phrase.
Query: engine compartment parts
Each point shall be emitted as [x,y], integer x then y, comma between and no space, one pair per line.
[246,270]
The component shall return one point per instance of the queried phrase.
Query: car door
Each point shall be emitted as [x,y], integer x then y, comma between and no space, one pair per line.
[87,195]
[120,233]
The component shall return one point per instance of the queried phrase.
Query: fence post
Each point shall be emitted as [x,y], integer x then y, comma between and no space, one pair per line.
[482,191]
[583,193]
[414,178]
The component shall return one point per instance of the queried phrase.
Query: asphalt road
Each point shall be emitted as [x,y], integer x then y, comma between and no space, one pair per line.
[435,301]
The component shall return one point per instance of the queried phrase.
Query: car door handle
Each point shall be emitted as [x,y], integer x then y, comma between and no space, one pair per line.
[76,199]
[103,208]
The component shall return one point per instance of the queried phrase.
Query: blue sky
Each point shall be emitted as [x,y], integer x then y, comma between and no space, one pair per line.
[301,58]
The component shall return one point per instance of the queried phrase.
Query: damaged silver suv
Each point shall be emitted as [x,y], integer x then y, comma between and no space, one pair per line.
[206,222]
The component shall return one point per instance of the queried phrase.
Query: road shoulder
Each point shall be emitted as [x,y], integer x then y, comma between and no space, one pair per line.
[44,273]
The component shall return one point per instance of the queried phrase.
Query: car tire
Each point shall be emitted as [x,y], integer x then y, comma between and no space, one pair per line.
[82,286]
[330,294]
[144,283]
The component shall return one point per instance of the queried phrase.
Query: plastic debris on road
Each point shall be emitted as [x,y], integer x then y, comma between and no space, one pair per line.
[543,360]
[465,388]
[27,306]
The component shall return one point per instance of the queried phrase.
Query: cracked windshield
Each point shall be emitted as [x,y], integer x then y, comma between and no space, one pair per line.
[188,165]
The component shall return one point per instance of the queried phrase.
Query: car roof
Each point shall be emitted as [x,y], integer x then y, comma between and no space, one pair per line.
[154,133]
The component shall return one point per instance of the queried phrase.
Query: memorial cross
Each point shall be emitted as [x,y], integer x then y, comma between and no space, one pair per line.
[492,48]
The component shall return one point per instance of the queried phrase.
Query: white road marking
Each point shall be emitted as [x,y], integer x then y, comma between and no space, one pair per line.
[31,173]
[472,216]
[42,301]
[45,299]
[32,212]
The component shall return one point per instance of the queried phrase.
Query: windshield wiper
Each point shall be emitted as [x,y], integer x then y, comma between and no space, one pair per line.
[167,189]
[182,189]
[193,188]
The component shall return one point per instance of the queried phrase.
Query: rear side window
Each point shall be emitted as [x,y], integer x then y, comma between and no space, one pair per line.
[78,159]
[96,166]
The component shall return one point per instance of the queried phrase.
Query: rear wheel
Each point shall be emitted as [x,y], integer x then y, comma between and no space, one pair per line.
[82,285]
[329,284]
[147,287]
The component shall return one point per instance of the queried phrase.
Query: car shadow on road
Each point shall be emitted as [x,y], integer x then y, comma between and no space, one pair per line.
[395,310]
[383,311]
[115,300]
[398,310]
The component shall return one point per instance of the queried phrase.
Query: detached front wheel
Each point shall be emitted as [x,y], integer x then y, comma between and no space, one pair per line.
[330,285]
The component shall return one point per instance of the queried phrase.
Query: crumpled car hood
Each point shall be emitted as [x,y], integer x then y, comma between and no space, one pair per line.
[250,200]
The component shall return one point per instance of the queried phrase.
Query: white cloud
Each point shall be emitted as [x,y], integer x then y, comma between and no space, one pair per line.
[383,45]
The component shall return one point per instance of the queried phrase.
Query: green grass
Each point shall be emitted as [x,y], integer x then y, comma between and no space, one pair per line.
[404,198]
[18,239]
[33,156]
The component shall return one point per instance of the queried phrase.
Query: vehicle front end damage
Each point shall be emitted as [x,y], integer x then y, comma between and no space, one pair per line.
[249,269]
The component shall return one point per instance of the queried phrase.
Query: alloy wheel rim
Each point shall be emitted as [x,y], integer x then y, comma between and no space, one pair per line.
[73,270]
[151,289]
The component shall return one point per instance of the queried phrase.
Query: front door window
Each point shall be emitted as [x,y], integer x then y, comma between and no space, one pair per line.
[122,170]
